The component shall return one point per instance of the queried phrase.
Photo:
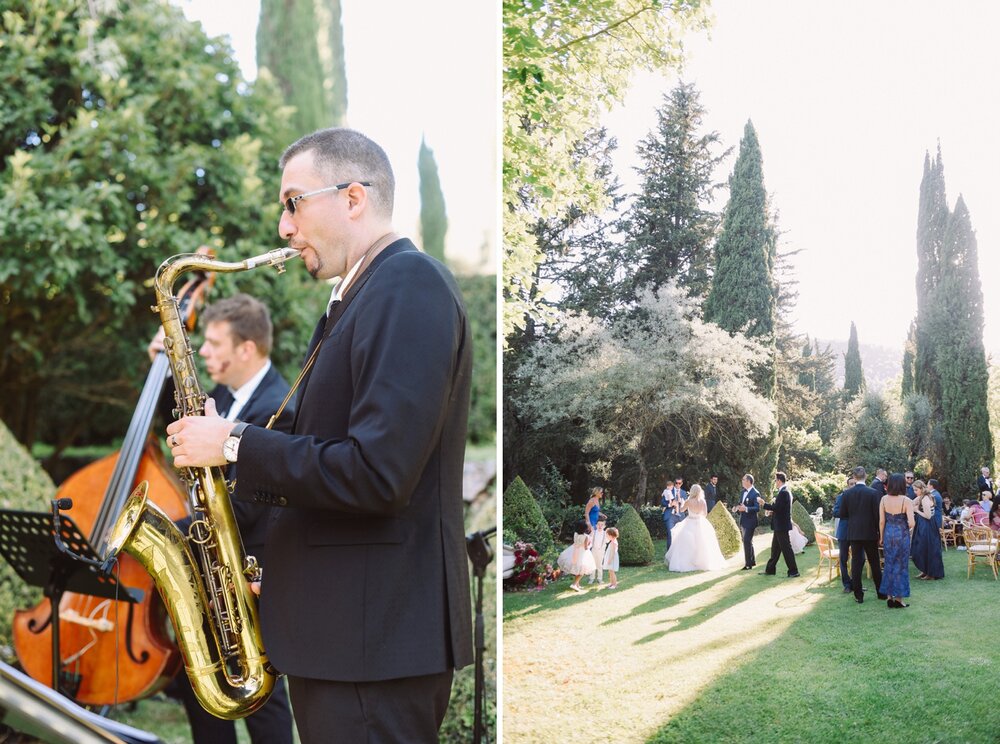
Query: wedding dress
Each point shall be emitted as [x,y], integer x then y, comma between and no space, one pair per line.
[693,544]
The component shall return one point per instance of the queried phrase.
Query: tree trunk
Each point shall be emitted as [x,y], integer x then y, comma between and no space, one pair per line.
[640,490]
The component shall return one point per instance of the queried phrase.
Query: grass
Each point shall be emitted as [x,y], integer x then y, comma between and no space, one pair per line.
[733,656]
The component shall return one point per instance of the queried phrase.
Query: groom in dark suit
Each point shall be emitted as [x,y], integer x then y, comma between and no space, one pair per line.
[748,508]
[365,598]
[860,508]
[781,523]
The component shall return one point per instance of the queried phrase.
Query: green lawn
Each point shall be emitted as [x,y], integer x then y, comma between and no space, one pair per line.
[734,656]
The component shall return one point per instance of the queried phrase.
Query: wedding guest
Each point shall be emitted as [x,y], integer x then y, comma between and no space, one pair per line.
[599,542]
[577,558]
[925,548]
[932,486]
[611,557]
[671,500]
[747,508]
[948,508]
[712,492]
[978,514]
[861,508]
[910,492]
[986,483]
[895,520]
[994,520]
[841,536]
[593,507]
[781,524]
[986,501]
[966,511]
[878,482]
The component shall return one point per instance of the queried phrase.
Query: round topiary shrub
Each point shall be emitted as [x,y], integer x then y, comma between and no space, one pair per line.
[522,515]
[635,546]
[726,530]
[801,517]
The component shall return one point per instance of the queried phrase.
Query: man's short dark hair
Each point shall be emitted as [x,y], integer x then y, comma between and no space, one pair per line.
[781,476]
[345,155]
[860,473]
[749,478]
[933,483]
[248,318]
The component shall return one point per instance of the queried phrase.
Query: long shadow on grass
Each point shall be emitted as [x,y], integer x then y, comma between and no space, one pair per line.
[848,672]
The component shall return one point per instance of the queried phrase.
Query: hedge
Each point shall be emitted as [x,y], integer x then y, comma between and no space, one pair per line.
[523,517]
[635,546]
[23,485]
[726,530]
[801,517]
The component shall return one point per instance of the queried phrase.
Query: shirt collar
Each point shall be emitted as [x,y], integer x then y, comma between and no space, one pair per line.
[243,393]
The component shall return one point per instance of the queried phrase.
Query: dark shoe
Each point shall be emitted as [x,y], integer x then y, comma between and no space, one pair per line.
[746,568]
[900,604]
[847,590]
[890,603]
[859,600]
[794,575]
[883,596]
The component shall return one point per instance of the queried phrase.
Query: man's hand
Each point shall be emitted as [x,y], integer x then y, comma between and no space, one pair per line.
[156,345]
[196,441]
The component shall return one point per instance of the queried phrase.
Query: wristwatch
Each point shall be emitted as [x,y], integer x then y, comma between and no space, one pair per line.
[231,446]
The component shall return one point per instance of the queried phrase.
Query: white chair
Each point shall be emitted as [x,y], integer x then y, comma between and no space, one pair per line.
[817,516]
[507,561]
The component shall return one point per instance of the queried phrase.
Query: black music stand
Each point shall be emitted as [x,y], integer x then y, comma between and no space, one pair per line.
[56,562]
[480,553]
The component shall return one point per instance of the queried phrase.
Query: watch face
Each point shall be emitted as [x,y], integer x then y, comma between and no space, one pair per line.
[229,448]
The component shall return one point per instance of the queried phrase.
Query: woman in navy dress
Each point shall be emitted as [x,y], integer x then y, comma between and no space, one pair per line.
[895,520]
[926,547]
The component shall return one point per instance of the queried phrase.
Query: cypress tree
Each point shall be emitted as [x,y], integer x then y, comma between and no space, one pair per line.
[854,373]
[669,229]
[433,218]
[932,219]
[960,358]
[330,42]
[743,294]
[909,353]
[295,67]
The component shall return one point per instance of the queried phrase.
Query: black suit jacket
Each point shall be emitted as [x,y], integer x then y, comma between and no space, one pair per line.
[749,517]
[878,486]
[367,576]
[985,486]
[860,508]
[781,510]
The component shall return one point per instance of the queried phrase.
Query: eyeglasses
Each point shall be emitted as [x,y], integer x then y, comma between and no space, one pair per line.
[909,477]
[291,201]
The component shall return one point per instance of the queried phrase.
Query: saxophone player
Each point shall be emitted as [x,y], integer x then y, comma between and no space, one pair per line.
[237,355]
[365,602]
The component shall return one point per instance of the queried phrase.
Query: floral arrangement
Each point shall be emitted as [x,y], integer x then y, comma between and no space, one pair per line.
[529,572]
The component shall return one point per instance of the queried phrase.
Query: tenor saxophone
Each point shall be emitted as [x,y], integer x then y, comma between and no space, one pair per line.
[202,578]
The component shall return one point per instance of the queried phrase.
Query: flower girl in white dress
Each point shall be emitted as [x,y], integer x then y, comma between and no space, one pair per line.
[693,544]
[577,558]
[599,543]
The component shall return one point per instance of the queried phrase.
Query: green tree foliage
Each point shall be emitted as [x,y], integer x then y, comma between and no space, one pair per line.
[128,136]
[743,296]
[330,42]
[522,514]
[480,295]
[920,430]
[23,486]
[288,53]
[669,228]
[871,435]
[932,221]
[564,63]
[433,218]
[909,358]
[960,359]
[622,384]
[854,373]
[801,517]
[726,530]
[635,546]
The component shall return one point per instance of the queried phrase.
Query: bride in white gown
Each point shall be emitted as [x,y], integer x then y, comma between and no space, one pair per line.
[693,544]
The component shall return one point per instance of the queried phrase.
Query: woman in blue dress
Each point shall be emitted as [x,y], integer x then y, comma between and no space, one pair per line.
[926,547]
[593,508]
[895,520]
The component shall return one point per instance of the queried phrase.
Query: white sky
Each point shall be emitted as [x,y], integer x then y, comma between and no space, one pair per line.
[846,97]
[413,69]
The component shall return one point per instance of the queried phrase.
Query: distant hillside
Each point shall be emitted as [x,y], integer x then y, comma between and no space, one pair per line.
[881,363]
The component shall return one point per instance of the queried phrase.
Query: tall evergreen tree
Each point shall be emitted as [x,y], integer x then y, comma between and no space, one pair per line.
[932,220]
[433,218]
[330,42]
[909,354]
[854,373]
[960,358]
[296,68]
[743,294]
[669,228]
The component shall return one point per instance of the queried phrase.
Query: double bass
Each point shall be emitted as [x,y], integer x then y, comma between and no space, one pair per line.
[114,651]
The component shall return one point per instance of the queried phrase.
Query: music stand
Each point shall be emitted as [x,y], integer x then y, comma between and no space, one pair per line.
[480,553]
[56,562]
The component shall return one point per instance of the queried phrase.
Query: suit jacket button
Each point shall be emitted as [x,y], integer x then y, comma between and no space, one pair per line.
[282,501]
